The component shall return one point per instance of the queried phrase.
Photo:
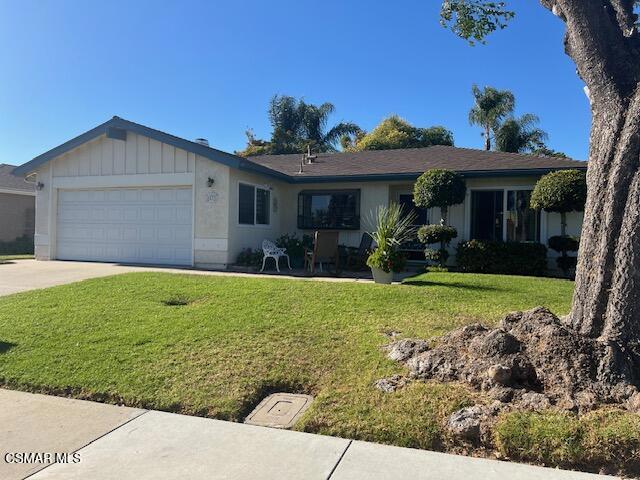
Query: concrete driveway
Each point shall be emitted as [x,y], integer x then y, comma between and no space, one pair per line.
[22,275]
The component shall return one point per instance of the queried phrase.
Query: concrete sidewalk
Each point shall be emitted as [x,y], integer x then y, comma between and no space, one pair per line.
[132,444]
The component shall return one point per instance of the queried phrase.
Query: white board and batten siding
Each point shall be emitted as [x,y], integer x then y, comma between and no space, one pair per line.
[140,212]
[137,155]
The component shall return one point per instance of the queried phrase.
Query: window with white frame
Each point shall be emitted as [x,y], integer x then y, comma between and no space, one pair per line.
[253,205]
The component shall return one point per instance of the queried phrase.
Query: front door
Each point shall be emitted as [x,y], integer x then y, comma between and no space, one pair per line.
[487,208]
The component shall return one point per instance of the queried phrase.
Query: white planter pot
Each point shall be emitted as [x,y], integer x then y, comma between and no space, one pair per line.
[380,276]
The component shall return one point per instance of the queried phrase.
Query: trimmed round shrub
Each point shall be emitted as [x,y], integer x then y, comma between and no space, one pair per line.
[439,188]
[436,233]
[440,255]
[563,244]
[562,191]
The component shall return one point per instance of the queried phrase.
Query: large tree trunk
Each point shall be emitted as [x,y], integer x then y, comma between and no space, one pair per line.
[602,40]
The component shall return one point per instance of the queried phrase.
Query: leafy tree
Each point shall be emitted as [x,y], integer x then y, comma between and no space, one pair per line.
[438,188]
[395,132]
[545,151]
[296,126]
[603,39]
[490,108]
[520,135]
[563,191]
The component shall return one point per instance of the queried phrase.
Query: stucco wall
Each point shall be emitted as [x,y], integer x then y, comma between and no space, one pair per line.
[372,195]
[251,236]
[211,241]
[17,216]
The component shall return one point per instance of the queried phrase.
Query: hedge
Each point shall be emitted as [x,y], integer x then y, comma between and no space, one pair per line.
[510,258]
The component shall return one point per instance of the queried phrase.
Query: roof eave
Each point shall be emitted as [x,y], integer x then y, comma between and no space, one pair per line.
[379,177]
[219,156]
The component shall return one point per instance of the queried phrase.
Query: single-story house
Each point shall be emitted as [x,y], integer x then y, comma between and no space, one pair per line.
[17,205]
[124,192]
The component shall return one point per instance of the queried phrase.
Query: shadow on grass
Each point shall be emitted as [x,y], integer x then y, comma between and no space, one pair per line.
[460,285]
[6,346]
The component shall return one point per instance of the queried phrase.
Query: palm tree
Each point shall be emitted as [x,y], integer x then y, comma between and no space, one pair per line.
[520,135]
[298,125]
[491,106]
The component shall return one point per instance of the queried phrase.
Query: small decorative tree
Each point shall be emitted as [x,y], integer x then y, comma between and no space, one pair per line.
[438,188]
[562,192]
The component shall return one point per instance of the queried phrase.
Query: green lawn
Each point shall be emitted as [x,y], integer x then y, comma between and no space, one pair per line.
[123,339]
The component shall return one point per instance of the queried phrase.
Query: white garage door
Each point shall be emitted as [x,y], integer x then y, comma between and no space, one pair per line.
[129,225]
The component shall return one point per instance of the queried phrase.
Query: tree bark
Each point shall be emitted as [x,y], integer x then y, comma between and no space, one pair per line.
[604,44]
[487,138]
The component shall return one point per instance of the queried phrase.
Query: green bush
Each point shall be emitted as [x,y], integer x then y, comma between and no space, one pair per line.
[510,258]
[562,191]
[250,258]
[293,245]
[563,244]
[436,233]
[440,255]
[21,245]
[439,188]
[390,260]
[566,263]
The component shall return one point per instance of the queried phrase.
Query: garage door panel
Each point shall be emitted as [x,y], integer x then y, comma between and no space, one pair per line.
[134,225]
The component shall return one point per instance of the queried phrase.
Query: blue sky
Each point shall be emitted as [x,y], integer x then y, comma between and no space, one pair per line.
[208,69]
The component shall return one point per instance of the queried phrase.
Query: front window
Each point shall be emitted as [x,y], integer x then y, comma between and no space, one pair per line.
[253,205]
[523,222]
[329,209]
[504,215]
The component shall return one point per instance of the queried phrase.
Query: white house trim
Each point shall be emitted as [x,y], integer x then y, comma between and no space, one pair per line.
[119,181]
[17,192]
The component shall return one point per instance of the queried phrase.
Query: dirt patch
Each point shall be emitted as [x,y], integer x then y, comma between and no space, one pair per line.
[531,361]
[177,301]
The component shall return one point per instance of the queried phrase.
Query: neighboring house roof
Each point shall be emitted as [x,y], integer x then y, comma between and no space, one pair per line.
[411,162]
[345,166]
[10,182]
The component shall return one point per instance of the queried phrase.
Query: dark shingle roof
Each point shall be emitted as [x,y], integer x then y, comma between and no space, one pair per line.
[9,181]
[414,161]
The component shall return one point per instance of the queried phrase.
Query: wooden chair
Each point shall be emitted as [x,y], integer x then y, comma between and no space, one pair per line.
[325,249]
[357,257]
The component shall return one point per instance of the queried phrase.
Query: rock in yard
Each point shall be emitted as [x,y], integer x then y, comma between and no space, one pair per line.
[500,374]
[406,348]
[465,423]
[534,401]
[390,384]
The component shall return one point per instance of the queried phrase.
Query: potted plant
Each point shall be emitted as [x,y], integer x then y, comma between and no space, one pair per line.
[393,228]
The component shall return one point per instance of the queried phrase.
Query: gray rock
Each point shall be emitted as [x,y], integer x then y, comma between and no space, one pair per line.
[390,384]
[633,404]
[500,374]
[534,401]
[465,423]
[406,348]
